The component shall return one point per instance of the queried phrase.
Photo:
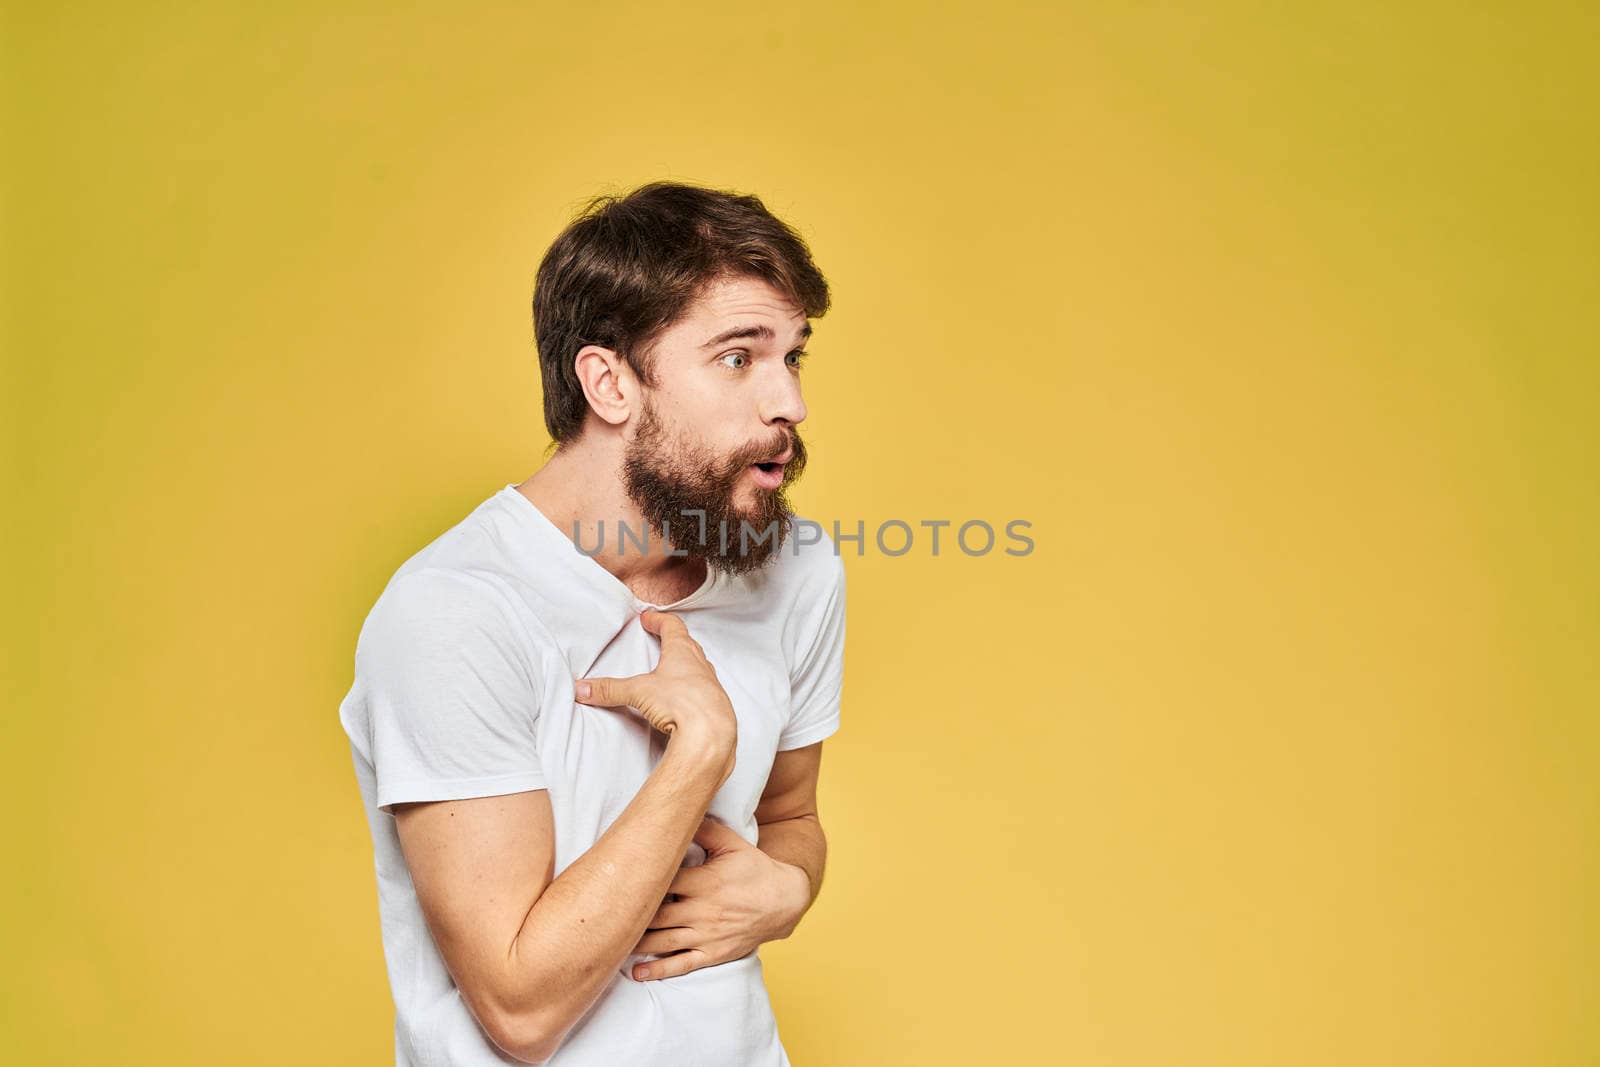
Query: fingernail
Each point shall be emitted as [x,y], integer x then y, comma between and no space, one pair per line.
[583,690]
[640,974]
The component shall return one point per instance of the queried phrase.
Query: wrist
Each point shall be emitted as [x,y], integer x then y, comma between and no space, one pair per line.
[702,753]
[793,897]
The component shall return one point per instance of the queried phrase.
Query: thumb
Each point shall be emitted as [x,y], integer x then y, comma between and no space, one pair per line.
[716,836]
[632,692]
[662,624]
[607,692]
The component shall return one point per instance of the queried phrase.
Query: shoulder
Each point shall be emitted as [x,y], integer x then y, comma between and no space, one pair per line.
[804,575]
[470,580]
[434,589]
[809,566]
[429,611]
[813,614]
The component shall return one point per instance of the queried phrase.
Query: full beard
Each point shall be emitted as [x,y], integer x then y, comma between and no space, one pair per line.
[686,495]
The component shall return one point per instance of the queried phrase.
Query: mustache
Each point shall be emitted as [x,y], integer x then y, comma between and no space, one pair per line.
[763,451]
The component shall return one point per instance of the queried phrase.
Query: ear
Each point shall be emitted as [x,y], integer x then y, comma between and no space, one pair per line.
[609,384]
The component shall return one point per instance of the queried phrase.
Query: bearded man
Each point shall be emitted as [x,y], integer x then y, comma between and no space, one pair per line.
[591,773]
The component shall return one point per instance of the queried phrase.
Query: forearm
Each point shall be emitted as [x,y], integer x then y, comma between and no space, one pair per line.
[590,917]
[800,842]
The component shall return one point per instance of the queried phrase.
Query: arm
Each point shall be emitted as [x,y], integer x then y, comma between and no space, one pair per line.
[790,830]
[530,954]
[745,895]
[787,814]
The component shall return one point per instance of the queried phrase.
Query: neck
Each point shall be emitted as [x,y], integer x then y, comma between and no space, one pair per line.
[577,489]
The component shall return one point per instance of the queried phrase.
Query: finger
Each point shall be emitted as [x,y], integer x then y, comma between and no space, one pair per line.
[661,942]
[694,881]
[674,634]
[608,692]
[716,836]
[663,624]
[670,915]
[672,966]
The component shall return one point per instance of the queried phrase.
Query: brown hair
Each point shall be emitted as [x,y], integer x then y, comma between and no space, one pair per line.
[628,267]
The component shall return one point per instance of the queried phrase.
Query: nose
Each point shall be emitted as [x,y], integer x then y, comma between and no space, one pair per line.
[781,402]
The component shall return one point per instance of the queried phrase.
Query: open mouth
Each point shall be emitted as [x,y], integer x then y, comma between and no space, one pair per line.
[767,475]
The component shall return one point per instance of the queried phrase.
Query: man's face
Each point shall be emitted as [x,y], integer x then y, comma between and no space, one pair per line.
[717,434]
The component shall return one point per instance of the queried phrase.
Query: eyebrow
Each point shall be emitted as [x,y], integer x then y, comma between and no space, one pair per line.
[761,332]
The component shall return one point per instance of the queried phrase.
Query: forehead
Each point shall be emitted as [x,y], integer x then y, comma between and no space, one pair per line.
[729,301]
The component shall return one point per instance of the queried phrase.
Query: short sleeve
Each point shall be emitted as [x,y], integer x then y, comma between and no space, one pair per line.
[818,676]
[451,697]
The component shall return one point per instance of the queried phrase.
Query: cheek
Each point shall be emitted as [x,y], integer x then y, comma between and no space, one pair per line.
[705,420]
[696,413]
[710,428]
[703,443]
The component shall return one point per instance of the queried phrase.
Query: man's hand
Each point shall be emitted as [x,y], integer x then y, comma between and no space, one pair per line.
[681,697]
[737,899]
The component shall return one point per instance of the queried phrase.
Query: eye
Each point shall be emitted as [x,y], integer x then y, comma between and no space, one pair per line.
[742,357]
[795,359]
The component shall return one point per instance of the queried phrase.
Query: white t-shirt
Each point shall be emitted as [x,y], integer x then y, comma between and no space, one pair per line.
[463,687]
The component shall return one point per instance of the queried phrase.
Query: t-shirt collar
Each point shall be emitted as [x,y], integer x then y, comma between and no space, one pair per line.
[595,605]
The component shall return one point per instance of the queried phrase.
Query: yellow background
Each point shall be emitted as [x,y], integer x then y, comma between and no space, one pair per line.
[1278,325]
